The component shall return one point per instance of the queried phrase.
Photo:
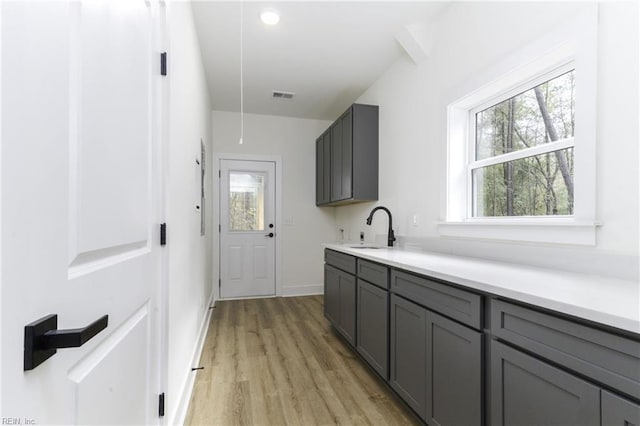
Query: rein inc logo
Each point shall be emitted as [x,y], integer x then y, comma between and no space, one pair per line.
[17,421]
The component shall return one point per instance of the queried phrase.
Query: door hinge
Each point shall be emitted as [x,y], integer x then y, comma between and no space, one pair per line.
[219,228]
[219,282]
[163,63]
[219,173]
[161,405]
[163,234]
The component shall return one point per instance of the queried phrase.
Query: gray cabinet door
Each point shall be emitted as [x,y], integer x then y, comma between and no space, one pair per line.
[454,373]
[347,155]
[528,392]
[373,327]
[347,321]
[342,157]
[332,294]
[326,166]
[364,150]
[408,349]
[336,161]
[319,170]
[323,169]
[618,411]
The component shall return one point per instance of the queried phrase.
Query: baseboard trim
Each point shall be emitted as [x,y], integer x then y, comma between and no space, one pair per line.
[180,414]
[302,290]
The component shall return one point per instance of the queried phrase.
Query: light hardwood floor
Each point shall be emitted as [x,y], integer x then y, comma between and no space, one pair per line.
[277,362]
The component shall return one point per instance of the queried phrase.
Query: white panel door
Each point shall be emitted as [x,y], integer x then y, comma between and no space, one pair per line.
[247,228]
[80,207]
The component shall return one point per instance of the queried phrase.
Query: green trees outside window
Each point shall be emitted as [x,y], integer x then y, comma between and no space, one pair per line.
[538,181]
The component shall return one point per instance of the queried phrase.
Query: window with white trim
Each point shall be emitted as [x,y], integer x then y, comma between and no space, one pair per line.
[521,143]
[521,149]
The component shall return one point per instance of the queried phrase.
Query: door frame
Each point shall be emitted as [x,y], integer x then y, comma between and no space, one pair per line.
[161,108]
[215,208]
[2,409]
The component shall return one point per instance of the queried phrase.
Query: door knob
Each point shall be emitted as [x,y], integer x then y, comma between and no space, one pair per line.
[42,338]
[270,235]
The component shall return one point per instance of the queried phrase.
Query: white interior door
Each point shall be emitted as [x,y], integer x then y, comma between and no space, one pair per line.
[247,228]
[80,207]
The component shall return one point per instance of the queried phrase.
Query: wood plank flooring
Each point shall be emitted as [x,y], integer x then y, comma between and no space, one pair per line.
[278,362]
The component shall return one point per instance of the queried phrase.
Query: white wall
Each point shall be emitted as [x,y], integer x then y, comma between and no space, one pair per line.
[190,272]
[305,226]
[469,37]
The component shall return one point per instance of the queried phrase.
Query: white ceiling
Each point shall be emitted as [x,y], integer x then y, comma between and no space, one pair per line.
[327,52]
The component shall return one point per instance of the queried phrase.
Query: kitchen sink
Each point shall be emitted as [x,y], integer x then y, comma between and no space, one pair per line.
[365,247]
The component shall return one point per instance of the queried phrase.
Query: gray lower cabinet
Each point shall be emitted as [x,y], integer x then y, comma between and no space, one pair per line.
[436,365]
[617,411]
[528,392]
[408,350]
[332,294]
[601,355]
[425,338]
[347,324]
[454,373]
[373,326]
[340,301]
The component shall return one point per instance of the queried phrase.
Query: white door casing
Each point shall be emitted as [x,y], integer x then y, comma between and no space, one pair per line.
[247,228]
[81,206]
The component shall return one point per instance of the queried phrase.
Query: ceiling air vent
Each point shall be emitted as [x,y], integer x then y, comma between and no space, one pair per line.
[278,94]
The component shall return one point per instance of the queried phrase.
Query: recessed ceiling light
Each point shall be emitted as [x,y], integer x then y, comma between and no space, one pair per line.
[270,16]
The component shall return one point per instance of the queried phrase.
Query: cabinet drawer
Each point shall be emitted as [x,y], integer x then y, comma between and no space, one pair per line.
[340,260]
[450,301]
[617,411]
[373,273]
[605,357]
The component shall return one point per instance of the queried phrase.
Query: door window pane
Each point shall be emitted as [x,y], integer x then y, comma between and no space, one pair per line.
[246,201]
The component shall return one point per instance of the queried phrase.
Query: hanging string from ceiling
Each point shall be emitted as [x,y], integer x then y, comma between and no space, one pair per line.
[241,72]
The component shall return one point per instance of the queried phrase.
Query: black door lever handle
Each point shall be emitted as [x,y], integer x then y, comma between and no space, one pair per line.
[74,337]
[42,338]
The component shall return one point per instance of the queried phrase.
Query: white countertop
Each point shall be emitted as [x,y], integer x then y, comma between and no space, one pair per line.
[609,301]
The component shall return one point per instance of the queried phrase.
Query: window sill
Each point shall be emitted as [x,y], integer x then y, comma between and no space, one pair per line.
[566,232]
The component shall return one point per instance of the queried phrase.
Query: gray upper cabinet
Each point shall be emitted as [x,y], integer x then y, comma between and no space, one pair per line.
[341,158]
[528,392]
[323,168]
[351,161]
